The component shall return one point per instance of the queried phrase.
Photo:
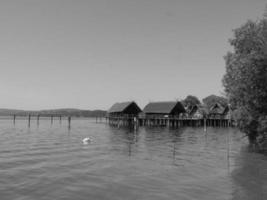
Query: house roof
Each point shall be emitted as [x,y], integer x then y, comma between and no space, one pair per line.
[165,107]
[121,107]
[193,109]
[217,109]
[200,108]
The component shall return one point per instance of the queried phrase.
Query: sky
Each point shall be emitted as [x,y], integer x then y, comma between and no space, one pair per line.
[89,54]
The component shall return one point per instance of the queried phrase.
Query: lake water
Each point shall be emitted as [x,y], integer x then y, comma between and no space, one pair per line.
[51,162]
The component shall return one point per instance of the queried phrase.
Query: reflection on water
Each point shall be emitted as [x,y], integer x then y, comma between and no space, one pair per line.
[50,161]
[250,177]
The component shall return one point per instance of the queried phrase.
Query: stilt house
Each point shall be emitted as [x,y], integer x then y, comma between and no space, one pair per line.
[124,109]
[166,109]
[196,112]
[217,111]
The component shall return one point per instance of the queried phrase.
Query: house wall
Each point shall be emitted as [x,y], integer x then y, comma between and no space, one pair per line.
[123,115]
[197,115]
[160,115]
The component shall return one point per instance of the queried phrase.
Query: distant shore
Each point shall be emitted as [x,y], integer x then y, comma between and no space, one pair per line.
[63,112]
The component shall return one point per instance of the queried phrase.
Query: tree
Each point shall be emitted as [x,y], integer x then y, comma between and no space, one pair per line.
[245,80]
[209,101]
[191,100]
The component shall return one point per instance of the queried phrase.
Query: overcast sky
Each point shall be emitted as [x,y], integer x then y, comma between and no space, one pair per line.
[90,54]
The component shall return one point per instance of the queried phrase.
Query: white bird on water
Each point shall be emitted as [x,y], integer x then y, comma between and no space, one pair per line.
[87,140]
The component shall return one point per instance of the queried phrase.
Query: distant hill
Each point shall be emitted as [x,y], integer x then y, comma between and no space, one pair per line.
[63,112]
[4,112]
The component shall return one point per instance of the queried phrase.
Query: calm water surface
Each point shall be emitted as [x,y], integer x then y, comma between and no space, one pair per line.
[51,162]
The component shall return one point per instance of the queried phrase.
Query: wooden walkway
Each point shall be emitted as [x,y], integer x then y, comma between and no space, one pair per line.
[168,122]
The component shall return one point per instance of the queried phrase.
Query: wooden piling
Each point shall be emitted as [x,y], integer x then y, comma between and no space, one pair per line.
[38,117]
[14,119]
[69,122]
[168,123]
[228,151]
[205,124]
[172,122]
[29,120]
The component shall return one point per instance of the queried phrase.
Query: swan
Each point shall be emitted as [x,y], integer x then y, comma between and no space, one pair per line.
[87,140]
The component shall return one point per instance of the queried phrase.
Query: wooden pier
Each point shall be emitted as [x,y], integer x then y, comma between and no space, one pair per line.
[168,122]
[122,121]
[123,114]
[30,118]
[167,114]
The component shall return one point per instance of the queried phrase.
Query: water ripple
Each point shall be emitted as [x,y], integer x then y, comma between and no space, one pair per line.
[51,162]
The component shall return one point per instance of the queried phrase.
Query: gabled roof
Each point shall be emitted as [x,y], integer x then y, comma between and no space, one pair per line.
[165,107]
[217,109]
[200,108]
[226,110]
[193,109]
[123,106]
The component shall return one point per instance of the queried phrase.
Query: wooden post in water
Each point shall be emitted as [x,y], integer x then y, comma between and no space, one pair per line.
[60,119]
[228,151]
[29,120]
[168,122]
[51,119]
[14,119]
[135,122]
[205,125]
[69,121]
[38,117]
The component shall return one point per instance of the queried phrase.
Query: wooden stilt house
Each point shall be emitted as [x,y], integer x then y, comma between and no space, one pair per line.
[164,113]
[227,113]
[124,113]
[196,112]
[124,109]
[166,109]
[217,111]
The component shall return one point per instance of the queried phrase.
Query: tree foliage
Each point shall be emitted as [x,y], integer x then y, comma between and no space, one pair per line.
[209,101]
[191,100]
[245,80]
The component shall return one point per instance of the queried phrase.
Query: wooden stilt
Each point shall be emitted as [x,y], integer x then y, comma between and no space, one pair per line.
[69,122]
[37,120]
[29,120]
[205,125]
